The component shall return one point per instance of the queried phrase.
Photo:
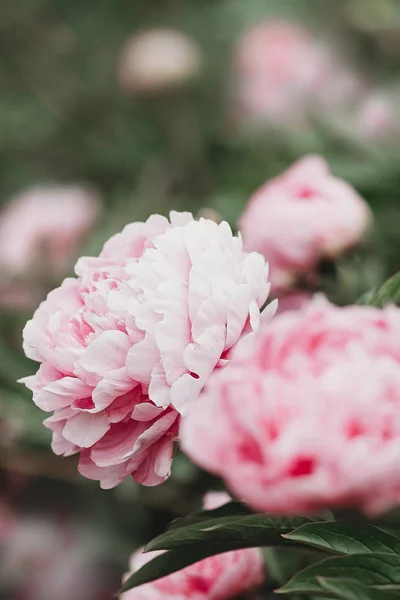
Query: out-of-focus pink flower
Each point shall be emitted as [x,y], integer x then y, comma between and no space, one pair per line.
[43,227]
[18,295]
[307,414]
[8,523]
[376,117]
[301,216]
[130,343]
[295,300]
[159,59]
[282,70]
[219,577]
[43,559]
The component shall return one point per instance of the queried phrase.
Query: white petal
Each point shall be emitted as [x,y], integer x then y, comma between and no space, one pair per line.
[104,354]
[141,359]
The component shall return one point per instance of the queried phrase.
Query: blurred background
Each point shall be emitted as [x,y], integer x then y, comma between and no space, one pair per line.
[111,110]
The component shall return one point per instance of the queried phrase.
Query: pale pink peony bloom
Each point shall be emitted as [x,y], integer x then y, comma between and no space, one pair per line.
[45,225]
[282,70]
[302,216]
[129,343]
[307,414]
[219,577]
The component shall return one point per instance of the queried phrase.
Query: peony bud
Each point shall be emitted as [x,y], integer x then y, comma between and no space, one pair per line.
[157,60]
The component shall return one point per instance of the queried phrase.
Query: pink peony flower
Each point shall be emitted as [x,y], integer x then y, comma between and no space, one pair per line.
[307,414]
[301,216]
[44,226]
[128,344]
[218,577]
[282,69]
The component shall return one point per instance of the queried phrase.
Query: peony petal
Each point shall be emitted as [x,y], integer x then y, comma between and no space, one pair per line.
[141,359]
[115,383]
[62,447]
[202,356]
[106,353]
[146,411]
[118,444]
[159,390]
[159,427]
[109,477]
[61,393]
[84,429]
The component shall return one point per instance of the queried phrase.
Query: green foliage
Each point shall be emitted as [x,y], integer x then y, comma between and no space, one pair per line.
[346,589]
[228,532]
[369,556]
[379,571]
[345,537]
[188,544]
[388,293]
[230,509]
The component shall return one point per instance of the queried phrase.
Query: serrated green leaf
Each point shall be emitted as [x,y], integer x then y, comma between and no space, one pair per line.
[233,532]
[345,537]
[388,293]
[346,589]
[380,571]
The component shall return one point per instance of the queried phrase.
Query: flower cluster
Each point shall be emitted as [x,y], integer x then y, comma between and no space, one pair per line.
[307,414]
[128,345]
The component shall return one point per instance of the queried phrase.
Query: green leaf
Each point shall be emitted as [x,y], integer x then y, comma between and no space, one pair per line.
[233,532]
[389,293]
[380,571]
[366,299]
[345,537]
[165,564]
[346,589]
[188,544]
[283,562]
[230,509]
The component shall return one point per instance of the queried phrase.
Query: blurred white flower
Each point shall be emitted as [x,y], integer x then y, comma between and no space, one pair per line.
[156,60]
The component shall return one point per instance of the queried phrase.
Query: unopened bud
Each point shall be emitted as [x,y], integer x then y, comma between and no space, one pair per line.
[156,60]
